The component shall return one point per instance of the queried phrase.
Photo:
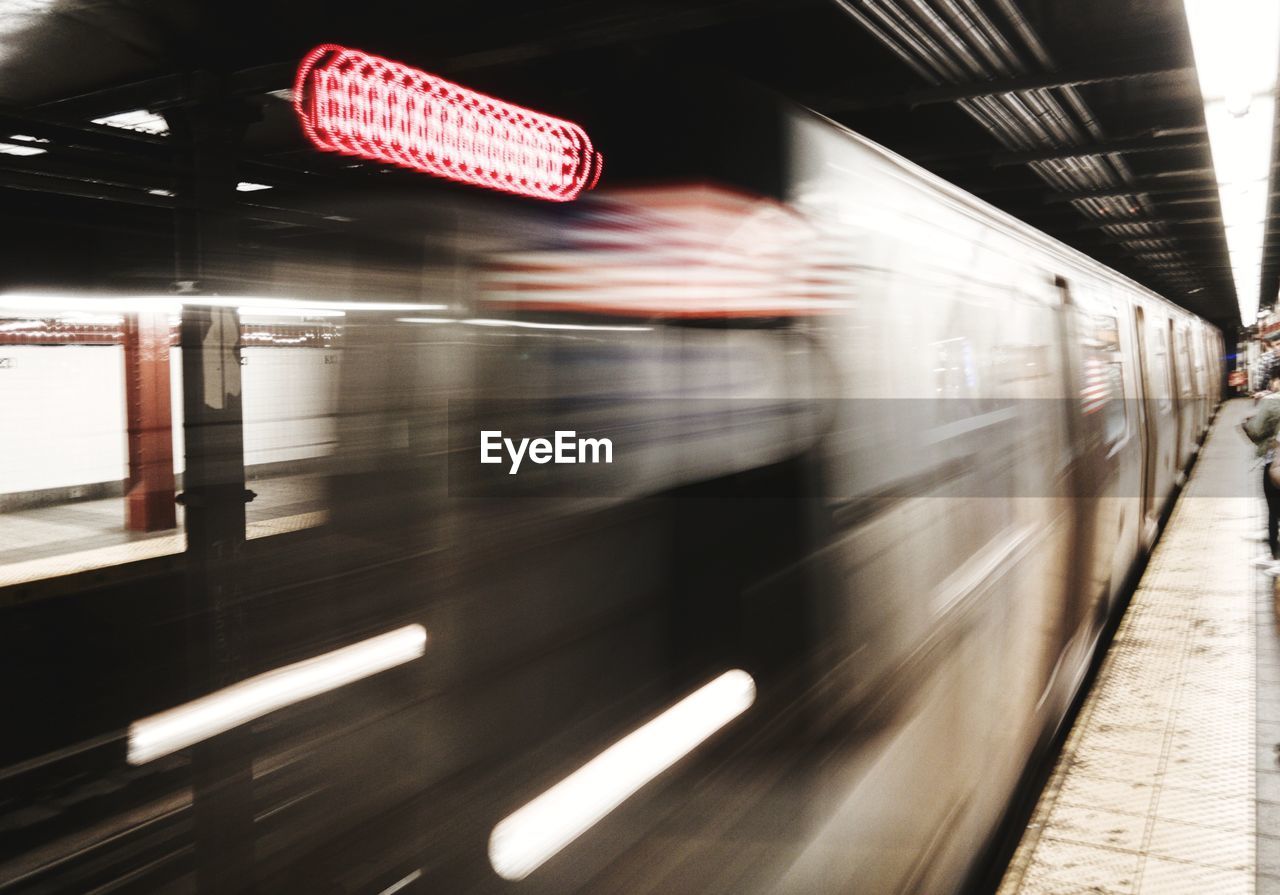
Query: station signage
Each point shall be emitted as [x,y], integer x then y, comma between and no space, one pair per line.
[361,105]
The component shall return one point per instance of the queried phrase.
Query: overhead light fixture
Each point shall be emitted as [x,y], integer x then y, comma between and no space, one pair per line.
[19,149]
[27,138]
[137,120]
[246,187]
[1237,51]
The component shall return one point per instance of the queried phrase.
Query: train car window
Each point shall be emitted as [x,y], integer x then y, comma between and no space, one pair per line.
[1102,389]
[1163,372]
[1184,366]
[1196,350]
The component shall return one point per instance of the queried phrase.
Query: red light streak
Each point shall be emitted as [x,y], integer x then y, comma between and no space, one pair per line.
[361,105]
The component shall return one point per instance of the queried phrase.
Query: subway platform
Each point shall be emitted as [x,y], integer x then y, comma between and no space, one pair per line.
[81,536]
[1169,781]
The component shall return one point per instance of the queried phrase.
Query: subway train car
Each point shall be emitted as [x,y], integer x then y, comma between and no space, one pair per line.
[844,474]
[881,449]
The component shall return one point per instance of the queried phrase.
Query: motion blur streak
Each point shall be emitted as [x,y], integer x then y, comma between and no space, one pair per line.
[208,716]
[36,301]
[522,324]
[396,887]
[525,840]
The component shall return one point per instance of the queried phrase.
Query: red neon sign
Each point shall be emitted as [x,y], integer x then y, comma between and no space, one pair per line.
[366,106]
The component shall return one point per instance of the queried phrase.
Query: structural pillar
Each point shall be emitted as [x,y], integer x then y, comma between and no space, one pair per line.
[149,497]
[207,134]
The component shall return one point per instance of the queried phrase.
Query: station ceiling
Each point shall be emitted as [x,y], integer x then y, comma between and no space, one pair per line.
[1083,119]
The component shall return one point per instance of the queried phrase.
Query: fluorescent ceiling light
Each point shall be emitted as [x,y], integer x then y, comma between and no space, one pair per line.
[160,192]
[27,138]
[525,840]
[24,7]
[17,17]
[230,707]
[1237,50]
[245,187]
[138,120]
[20,149]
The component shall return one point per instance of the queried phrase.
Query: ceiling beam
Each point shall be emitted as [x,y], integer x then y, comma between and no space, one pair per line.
[1143,187]
[1074,77]
[98,137]
[1181,239]
[1046,80]
[1149,222]
[1121,146]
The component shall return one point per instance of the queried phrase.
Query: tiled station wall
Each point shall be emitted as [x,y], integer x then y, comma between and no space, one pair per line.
[62,412]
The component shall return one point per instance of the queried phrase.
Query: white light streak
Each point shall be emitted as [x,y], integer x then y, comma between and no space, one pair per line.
[524,324]
[252,302]
[1237,50]
[137,120]
[526,839]
[50,304]
[20,149]
[284,311]
[185,725]
[397,886]
[245,186]
[41,301]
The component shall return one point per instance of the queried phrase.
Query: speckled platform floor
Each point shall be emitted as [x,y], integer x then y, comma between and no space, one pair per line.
[1164,784]
[77,537]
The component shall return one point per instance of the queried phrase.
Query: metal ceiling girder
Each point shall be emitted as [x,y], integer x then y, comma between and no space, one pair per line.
[1122,146]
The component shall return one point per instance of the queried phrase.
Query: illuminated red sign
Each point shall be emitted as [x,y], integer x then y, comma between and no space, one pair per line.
[365,106]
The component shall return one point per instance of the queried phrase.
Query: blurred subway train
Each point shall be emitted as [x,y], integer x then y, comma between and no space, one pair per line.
[881,461]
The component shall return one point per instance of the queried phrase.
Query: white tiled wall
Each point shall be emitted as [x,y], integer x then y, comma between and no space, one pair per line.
[289,396]
[62,414]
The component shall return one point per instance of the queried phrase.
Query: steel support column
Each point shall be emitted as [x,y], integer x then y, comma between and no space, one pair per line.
[208,134]
[149,498]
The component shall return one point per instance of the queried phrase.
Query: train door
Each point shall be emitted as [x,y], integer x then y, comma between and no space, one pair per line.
[1125,444]
[1080,505]
[1195,337]
[1176,384]
[1146,426]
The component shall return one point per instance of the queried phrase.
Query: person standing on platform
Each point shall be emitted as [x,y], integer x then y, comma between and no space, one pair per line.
[1262,429]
